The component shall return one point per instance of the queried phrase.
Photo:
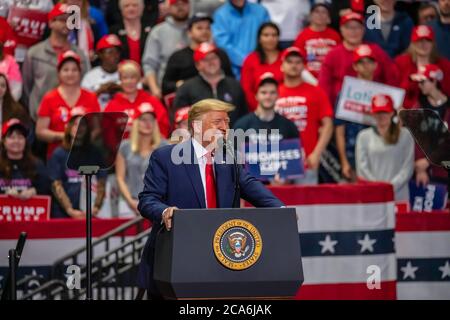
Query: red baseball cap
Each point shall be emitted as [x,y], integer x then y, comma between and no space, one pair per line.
[428,72]
[69,54]
[144,107]
[290,52]
[203,50]
[108,41]
[422,32]
[351,16]
[267,77]
[14,123]
[171,2]
[182,114]
[58,10]
[363,51]
[382,103]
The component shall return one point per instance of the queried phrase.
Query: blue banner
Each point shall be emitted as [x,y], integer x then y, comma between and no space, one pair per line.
[263,161]
[427,198]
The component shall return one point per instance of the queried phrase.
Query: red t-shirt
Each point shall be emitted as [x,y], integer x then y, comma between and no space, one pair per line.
[121,103]
[408,67]
[305,105]
[338,63]
[135,50]
[53,106]
[315,46]
[251,72]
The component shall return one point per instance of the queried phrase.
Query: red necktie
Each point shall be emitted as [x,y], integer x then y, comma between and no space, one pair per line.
[211,200]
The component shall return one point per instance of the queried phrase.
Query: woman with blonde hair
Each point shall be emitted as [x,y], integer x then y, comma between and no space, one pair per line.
[421,52]
[132,97]
[134,155]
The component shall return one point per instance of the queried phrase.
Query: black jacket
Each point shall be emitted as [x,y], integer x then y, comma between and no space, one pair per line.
[228,90]
[181,66]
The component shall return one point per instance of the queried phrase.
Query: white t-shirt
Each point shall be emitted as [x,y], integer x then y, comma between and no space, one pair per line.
[289,15]
[97,77]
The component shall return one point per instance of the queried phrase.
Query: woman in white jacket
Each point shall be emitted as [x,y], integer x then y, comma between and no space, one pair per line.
[385,152]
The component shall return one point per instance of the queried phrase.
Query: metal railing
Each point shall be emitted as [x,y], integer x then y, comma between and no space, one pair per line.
[114,267]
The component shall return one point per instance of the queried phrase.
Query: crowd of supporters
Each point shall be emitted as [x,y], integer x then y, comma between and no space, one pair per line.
[281,63]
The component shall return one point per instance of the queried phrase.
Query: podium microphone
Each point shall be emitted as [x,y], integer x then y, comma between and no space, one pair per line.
[228,147]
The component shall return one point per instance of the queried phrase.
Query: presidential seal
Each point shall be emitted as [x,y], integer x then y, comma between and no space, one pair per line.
[237,244]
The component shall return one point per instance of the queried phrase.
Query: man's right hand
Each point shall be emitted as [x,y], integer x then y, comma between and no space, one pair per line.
[167,217]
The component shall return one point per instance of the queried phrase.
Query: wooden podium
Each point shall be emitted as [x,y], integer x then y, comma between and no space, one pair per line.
[229,253]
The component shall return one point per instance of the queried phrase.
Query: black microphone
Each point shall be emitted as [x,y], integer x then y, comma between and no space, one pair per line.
[228,147]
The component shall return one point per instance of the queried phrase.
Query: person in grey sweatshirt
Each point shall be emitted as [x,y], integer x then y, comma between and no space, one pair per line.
[165,39]
[386,152]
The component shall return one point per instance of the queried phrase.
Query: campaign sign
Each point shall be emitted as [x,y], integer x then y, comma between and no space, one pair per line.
[427,198]
[263,160]
[13,209]
[29,25]
[356,98]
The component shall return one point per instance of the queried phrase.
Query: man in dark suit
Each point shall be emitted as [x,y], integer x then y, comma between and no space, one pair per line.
[190,175]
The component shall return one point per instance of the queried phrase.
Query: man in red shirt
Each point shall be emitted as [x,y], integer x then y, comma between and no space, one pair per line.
[318,38]
[339,61]
[309,108]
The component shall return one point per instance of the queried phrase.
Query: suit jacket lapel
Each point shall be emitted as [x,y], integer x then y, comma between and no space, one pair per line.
[193,173]
[224,186]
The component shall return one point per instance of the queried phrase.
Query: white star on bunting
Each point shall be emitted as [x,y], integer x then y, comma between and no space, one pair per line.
[367,243]
[445,269]
[328,244]
[409,271]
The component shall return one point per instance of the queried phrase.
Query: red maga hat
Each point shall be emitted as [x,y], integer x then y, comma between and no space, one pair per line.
[58,10]
[11,123]
[382,103]
[422,32]
[108,41]
[363,51]
[69,54]
[182,114]
[203,50]
[290,52]
[351,16]
[144,107]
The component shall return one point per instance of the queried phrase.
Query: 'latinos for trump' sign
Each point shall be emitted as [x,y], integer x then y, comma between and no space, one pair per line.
[29,25]
[356,96]
[13,209]
[263,161]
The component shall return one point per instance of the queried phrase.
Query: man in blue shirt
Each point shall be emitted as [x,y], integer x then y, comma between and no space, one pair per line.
[441,28]
[395,31]
[235,29]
